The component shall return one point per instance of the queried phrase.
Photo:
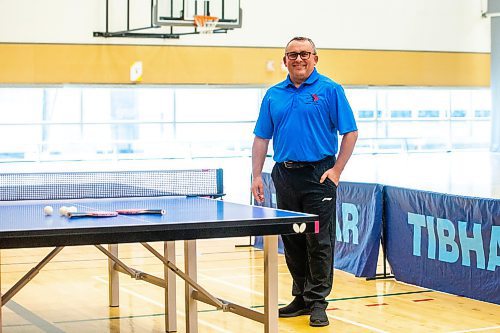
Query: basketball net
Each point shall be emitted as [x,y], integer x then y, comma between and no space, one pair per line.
[206,24]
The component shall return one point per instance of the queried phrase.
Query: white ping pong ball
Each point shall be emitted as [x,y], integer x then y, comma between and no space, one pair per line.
[63,210]
[48,210]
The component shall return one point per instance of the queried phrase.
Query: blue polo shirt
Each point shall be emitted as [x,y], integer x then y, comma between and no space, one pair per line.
[304,122]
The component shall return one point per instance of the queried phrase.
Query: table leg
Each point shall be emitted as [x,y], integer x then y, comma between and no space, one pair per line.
[271,284]
[170,283]
[113,279]
[190,269]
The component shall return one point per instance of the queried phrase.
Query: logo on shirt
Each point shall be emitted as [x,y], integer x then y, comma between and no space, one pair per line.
[311,99]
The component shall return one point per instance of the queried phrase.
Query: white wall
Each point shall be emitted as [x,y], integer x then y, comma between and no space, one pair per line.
[429,25]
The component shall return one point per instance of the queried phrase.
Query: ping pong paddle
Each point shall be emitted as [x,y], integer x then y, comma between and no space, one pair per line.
[136,211]
[91,214]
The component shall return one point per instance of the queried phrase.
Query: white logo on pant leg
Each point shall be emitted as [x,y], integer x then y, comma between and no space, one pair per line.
[326,199]
[299,229]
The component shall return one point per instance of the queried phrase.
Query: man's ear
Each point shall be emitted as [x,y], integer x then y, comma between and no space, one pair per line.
[284,60]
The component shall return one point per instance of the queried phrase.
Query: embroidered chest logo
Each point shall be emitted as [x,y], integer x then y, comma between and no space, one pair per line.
[311,99]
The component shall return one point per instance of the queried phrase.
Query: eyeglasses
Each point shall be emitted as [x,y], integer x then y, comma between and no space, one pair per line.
[304,55]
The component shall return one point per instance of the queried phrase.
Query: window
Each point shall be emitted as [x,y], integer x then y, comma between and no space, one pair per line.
[458,113]
[428,113]
[95,122]
[400,113]
[364,114]
[482,113]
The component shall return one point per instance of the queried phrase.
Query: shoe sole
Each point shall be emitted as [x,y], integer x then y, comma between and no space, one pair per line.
[295,314]
[319,324]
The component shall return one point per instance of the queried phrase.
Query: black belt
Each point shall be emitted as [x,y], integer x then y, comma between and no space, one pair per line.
[298,165]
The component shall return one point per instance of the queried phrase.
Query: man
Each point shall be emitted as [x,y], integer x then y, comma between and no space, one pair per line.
[304,115]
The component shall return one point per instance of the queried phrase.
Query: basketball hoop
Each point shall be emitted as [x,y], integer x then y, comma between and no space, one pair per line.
[206,24]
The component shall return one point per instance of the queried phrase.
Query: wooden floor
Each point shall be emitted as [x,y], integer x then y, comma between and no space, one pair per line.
[71,295]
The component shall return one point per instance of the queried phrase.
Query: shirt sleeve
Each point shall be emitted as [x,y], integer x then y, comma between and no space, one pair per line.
[264,127]
[344,116]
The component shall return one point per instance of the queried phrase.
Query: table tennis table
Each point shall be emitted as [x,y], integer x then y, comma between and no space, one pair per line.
[187,218]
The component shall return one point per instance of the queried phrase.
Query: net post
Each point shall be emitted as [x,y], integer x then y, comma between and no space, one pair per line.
[220,180]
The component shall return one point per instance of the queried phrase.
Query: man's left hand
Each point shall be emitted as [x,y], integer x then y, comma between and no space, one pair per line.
[332,174]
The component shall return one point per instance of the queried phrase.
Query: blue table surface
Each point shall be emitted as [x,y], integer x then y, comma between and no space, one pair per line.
[29,215]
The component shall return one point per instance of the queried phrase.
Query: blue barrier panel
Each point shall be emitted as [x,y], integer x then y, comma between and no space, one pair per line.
[359,218]
[359,224]
[444,242]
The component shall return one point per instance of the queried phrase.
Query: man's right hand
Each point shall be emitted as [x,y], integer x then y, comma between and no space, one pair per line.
[259,150]
[258,189]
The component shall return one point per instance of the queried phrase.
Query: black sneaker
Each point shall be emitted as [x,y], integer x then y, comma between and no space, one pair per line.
[318,317]
[296,308]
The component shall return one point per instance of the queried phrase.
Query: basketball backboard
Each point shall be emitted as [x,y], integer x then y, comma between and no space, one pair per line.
[182,12]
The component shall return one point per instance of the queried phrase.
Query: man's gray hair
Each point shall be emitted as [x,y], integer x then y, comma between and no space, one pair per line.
[301,39]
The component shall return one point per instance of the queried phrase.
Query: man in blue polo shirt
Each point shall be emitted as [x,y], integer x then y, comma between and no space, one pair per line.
[304,116]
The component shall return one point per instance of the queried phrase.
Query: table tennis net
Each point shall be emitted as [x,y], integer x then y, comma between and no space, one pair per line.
[110,184]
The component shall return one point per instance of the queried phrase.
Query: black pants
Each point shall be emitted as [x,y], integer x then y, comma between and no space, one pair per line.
[309,257]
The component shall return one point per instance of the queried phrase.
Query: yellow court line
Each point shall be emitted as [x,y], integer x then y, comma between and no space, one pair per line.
[149,300]
[241,288]
[236,267]
[355,323]
[478,329]
[373,329]
[235,286]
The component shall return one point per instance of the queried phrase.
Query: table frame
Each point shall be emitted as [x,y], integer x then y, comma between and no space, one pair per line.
[270,228]
[194,291]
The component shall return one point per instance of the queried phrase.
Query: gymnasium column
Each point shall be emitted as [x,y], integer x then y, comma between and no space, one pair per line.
[494,10]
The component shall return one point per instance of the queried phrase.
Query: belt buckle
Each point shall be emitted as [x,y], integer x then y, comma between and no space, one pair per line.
[288,165]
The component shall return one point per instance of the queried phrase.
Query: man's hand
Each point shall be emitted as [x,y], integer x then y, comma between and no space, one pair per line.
[259,151]
[333,174]
[258,189]
[345,152]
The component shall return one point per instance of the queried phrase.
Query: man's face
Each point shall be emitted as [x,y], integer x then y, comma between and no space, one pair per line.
[299,68]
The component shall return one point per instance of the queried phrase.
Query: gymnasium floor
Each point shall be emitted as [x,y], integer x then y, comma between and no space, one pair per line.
[70,294]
